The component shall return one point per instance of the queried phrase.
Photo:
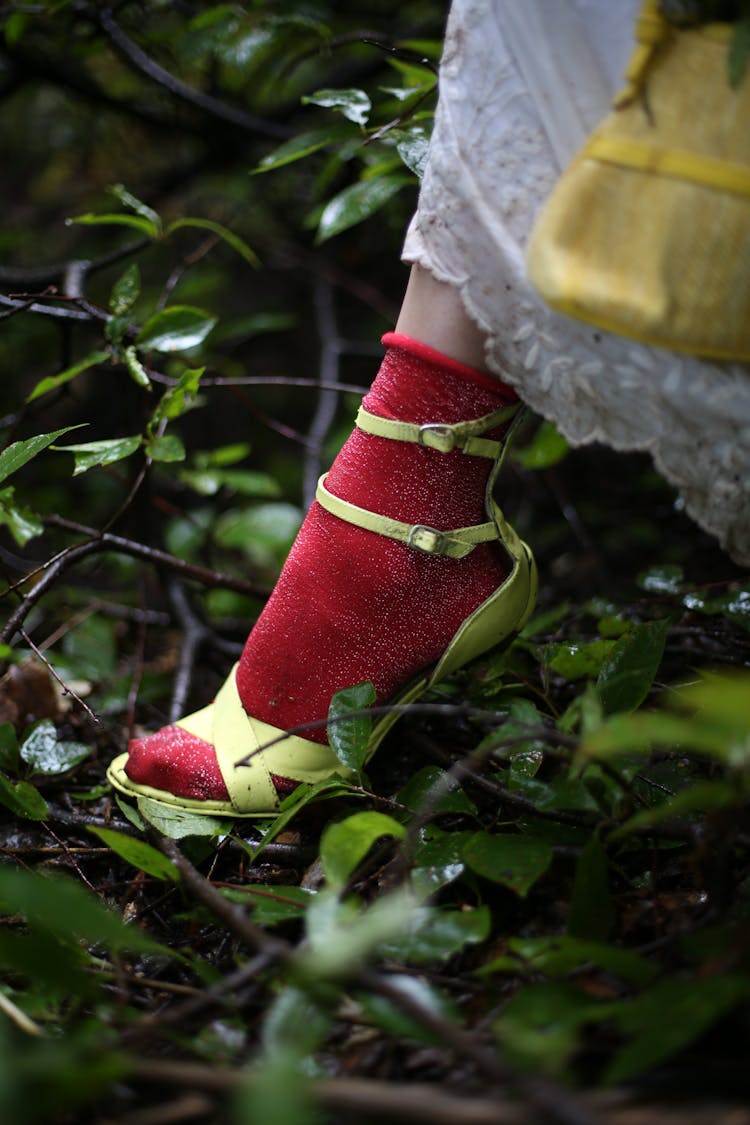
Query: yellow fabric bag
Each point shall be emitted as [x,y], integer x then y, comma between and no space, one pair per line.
[647,232]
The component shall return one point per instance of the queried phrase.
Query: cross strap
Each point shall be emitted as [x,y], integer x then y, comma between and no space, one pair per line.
[442,436]
[453,544]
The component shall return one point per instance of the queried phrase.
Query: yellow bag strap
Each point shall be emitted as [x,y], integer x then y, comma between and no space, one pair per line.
[678,164]
[651,31]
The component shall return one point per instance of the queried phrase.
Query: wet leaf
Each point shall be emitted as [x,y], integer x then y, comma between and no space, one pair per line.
[135,368]
[178,824]
[138,853]
[179,398]
[349,733]
[575,659]
[516,862]
[23,799]
[356,203]
[628,672]
[559,956]
[304,144]
[125,291]
[52,382]
[432,788]
[351,103]
[42,750]
[92,453]
[175,329]
[15,456]
[166,447]
[345,844]
[237,244]
[435,935]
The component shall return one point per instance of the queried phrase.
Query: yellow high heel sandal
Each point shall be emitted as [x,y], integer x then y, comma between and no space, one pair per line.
[250,751]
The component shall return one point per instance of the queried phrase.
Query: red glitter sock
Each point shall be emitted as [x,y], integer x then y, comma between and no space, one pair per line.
[351,605]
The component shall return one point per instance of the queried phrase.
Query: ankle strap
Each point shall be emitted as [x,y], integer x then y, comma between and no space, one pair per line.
[442,436]
[453,544]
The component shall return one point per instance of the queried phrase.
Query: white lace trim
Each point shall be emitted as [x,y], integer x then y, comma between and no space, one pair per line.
[491,165]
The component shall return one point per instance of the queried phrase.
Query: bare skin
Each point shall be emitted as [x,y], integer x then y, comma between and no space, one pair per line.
[432,311]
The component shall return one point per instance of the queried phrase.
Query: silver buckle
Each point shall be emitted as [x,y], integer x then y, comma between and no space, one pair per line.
[446,437]
[434,542]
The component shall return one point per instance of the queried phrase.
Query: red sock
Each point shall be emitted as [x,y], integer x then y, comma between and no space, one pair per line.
[351,605]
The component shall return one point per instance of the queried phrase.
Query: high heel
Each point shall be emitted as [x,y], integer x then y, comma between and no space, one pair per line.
[252,753]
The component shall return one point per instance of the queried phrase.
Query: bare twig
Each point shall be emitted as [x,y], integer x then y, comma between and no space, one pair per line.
[194,634]
[56,676]
[328,372]
[206,103]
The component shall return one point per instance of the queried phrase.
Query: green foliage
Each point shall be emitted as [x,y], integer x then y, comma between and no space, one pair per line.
[559,859]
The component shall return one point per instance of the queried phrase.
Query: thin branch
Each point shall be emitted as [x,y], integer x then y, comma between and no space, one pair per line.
[140,61]
[56,271]
[56,676]
[194,635]
[419,1103]
[328,371]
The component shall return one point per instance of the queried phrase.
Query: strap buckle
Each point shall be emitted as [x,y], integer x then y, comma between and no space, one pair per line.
[427,540]
[438,435]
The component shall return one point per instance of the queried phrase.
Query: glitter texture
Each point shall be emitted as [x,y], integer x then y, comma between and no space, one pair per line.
[351,605]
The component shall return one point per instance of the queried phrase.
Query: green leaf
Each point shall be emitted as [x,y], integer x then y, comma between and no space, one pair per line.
[434,787]
[45,753]
[21,452]
[177,399]
[692,1006]
[353,104]
[23,799]
[516,862]
[591,912]
[628,672]
[304,144]
[175,329]
[135,222]
[389,1017]
[345,844]
[264,533]
[435,935]
[177,823]
[559,956]
[166,447]
[127,199]
[226,235]
[540,1025]
[667,578]
[701,797]
[413,148]
[92,453]
[22,523]
[52,382]
[574,659]
[349,734]
[125,291]
[138,853]
[135,368]
[271,906]
[64,908]
[356,203]
[547,448]
[342,937]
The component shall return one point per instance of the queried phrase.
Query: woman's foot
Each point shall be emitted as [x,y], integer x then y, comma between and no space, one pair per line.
[352,605]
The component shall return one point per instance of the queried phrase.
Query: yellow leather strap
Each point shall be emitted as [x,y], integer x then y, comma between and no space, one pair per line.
[651,31]
[443,437]
[678,164]
[453,544]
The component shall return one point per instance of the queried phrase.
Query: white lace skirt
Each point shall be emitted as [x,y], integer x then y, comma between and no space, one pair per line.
[520,87]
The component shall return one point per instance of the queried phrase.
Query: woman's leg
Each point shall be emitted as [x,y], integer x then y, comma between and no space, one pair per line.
[352,605]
